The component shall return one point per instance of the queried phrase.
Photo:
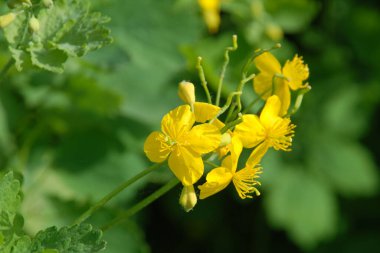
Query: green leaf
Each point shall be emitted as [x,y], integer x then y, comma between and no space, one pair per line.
[48,59]
[10,194]
[66,29]
[9,203]
[78,238]
[22,245]
[292,15]
[346,165]
[303,206]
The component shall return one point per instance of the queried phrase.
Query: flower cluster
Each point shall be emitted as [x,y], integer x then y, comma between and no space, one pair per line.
[198,133]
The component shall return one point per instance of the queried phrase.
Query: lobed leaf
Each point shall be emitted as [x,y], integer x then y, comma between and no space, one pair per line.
[66,29]
[78,238]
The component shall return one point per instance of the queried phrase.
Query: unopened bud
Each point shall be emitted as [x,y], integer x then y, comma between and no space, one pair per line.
[226,139]
[188,198]
[274,32]
[7,19]
[14,3]
[48,3]
[186,92]
[34,24]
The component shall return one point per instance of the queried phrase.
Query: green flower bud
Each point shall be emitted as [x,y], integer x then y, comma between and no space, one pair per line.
[48,3]
[34,24]
[14,3]
[7,19]
[188,198]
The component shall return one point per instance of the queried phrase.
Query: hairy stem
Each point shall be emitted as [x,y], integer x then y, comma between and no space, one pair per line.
[225,64]
[115,192]
[143,203]
[203,79]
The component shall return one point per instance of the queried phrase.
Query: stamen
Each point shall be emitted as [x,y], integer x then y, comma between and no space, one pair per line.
[245,182]
[280,134]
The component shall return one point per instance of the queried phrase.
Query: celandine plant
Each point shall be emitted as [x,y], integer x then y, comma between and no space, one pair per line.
[191,134]
[44,34]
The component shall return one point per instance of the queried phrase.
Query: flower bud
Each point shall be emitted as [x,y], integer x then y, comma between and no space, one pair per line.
[48,3]
[186,92]
[34,24]
[226,139]
[188,198]
[14,3]
[7,19]
[274,32]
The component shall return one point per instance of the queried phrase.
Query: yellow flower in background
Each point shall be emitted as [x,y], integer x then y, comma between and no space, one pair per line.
[268,130]
[244,180]
[183,143]
[211,14]
[6,19]
[294,73]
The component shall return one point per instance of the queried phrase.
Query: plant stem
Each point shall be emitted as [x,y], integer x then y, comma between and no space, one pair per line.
[225,64]
[6,68]
[203,79]
[143,203]
[115,192]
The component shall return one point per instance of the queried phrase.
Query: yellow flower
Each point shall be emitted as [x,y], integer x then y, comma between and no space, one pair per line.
[244,180]
[293,74]
[183,143]
[268,130]
[6,19]
[211,14]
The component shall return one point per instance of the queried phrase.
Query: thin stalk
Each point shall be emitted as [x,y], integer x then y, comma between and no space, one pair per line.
[228,103]
[230,111]
[143,203]
[230,125]
[115,192]
[224,68]
[6,68]
[203,79]
[211,164]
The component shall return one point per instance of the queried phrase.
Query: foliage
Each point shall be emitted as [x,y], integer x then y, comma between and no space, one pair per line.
[77,135]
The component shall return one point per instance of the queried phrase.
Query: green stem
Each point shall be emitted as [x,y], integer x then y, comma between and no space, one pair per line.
[115,192]
[228,103]
[6,68]
[143,203]
[225,64]
[230,125]
[211,164]
[230,111]
[203,79]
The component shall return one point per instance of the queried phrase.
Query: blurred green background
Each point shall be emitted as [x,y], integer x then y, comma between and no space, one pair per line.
[76,136]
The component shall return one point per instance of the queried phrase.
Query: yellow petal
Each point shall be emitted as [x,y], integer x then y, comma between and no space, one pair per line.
[219,124]
[205,111]
[204,138]
[257,154]
[250,131]
[283,92]
[245,182]
[177,122]
[236,148]
[296,71]
[209,4]
[268,64]
[156,147]
[216,180]
[263,85]
[186,166]
[271,111]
